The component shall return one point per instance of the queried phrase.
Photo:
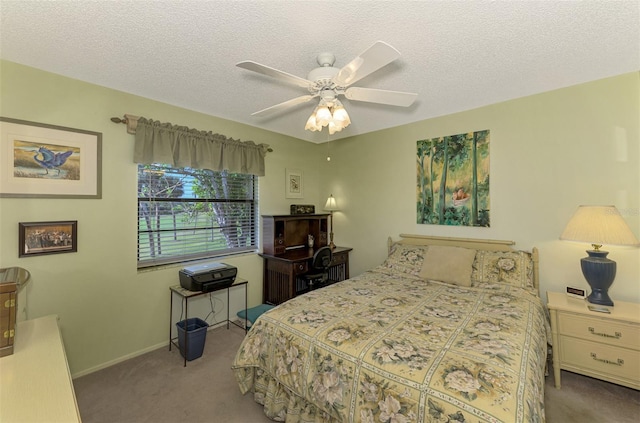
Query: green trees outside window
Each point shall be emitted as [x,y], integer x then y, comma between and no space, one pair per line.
[186,214]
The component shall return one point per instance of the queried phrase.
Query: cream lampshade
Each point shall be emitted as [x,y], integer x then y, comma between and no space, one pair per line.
[331,206]
[599,225]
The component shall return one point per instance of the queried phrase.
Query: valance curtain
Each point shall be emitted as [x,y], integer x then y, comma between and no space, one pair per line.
[180,146]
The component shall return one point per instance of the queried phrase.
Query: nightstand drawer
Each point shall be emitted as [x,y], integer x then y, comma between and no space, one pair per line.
[599,330]
[603,359]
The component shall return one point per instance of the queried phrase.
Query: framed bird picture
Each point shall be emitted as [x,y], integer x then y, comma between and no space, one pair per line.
[48,161]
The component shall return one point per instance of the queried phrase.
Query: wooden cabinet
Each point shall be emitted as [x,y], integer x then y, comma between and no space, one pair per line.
[8,301]
[12,280]
[601,345]
[282,233]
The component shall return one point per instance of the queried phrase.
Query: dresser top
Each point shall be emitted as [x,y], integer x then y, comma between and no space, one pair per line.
[628,312]
[35,380]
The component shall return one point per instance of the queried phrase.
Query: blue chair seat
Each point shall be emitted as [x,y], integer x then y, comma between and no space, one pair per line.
[254,312]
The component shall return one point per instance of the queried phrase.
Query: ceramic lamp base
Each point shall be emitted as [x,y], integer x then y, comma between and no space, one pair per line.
[599,272]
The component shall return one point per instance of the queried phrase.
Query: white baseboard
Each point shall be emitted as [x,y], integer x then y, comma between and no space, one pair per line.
[120,360]
[164,344]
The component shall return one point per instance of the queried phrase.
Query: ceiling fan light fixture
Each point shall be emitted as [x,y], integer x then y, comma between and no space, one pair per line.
[329,82]
[331,114]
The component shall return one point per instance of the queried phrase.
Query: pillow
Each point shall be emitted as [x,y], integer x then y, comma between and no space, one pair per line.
[448,264]
[507,267]
[406,258]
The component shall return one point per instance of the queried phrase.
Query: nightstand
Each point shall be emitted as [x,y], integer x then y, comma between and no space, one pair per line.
[601,345]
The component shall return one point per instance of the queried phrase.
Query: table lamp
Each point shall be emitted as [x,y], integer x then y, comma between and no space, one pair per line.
[599,225]
[331,206]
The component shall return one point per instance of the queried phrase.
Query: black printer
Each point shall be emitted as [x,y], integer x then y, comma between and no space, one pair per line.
[207,277]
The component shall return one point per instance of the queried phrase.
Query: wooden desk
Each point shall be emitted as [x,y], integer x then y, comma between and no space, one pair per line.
[281,281]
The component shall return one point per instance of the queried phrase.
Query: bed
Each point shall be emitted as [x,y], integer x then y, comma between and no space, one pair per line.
[444,330]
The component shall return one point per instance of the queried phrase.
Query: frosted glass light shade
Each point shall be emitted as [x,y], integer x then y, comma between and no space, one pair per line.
[341,117]
[323,116]
[312,125]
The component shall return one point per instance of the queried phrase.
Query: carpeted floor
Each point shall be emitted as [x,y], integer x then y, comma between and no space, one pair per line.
[155,387]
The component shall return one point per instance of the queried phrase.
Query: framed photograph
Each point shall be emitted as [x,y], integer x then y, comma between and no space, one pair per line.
[303,209]
[294,187]
[38,238]
[47,161]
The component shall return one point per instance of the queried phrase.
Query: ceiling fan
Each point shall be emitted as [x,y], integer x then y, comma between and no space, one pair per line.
[328,82]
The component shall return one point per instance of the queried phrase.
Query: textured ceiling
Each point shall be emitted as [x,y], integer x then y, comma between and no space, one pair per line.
[457,55]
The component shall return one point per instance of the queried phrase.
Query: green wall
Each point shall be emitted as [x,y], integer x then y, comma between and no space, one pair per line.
[549,153]
[108,310]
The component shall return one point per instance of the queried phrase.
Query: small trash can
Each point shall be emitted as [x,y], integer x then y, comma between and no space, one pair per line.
[196,334]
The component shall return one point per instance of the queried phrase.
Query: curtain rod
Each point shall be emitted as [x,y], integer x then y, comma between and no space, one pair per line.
[132,122]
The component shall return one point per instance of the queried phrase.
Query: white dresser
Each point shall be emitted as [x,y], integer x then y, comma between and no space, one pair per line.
[35,383]
[601,345]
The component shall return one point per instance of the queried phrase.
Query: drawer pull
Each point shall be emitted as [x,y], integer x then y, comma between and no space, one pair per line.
[617,335]
[619,362]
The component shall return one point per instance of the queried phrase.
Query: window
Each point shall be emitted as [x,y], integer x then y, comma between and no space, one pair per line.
[186,214]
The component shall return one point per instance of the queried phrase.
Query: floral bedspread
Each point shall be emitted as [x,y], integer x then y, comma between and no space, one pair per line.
[391,347]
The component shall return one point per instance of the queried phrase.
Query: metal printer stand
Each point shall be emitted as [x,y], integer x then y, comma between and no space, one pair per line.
[185,295]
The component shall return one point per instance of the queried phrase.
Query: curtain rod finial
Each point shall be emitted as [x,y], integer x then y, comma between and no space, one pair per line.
[130,120]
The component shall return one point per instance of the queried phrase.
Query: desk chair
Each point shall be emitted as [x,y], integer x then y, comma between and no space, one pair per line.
[319,273]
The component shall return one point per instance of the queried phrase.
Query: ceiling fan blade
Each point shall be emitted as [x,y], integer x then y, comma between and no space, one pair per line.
[284,105]
[274,73]
[372,95]
[375,57]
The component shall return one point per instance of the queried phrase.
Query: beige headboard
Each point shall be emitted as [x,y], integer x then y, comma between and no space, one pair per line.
[476,244]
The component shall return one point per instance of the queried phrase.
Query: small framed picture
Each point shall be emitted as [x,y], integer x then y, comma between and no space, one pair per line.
[38,238]
[294,184]
[303,209]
